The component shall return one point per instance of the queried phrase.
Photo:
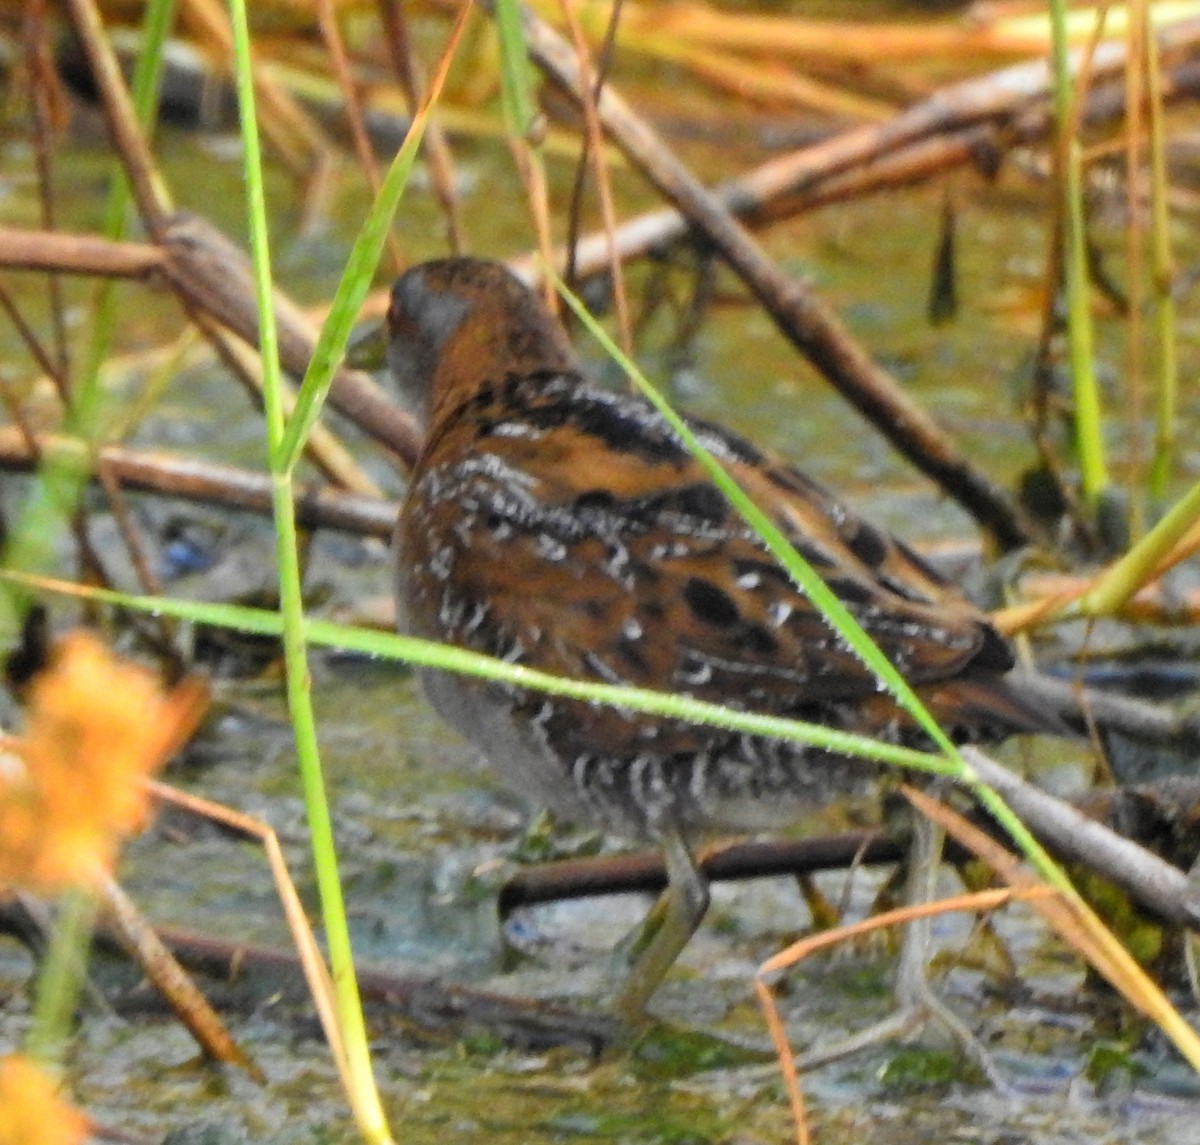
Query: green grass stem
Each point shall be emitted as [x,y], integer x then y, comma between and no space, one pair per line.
[1089,437]
[1163,284]
[517,80]
[428,654]
[1139,565]
[356,1069]
[60,977]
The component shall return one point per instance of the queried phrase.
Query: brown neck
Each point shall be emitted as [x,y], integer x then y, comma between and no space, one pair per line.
[497,338]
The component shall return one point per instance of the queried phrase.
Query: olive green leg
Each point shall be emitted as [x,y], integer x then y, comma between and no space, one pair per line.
[916,1002]
[667,929]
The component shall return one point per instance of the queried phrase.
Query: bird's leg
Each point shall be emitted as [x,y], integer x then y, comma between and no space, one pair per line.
[924,856]
[670,924]
[916,1002]
[913,992]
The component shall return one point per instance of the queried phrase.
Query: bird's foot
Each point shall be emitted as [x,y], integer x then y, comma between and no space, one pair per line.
[907,1020]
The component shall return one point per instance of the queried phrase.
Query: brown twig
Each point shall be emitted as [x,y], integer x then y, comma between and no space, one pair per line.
[646,872]
[1071,835]
[438,156]
[36,351]
[120,118]
[209,483]
[424,1000]
[593,155]
[90,559]
[137,550]
[158,964]
[960,124]
[213,275]
[797,951]
[210,274]
[1088,836]
[207,271]
[43,80]
[23,249]
[332,35]
[295,135]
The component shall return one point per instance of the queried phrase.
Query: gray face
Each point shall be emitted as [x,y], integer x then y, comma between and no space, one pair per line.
[420,321]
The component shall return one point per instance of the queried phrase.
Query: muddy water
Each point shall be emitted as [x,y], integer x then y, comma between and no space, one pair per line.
[425,832]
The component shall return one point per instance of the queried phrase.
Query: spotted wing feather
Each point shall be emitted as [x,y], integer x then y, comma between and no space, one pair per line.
[663,588]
